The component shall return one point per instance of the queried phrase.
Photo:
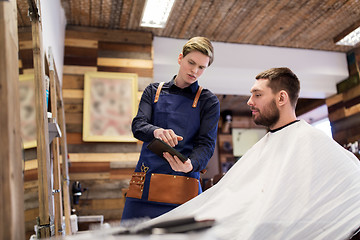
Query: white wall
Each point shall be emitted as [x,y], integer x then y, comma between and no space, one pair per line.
[236,65]
[53,23]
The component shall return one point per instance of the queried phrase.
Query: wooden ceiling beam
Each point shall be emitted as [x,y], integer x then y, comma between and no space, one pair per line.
[306,105]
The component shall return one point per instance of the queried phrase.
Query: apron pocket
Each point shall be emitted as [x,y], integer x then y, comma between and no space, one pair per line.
[136,185]
[172,189]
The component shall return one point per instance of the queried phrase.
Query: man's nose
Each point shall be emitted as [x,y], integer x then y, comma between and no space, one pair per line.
[194,69]
[249,102]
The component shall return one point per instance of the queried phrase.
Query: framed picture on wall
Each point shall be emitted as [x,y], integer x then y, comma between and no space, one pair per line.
[110,104]
[244,139]
[27,110]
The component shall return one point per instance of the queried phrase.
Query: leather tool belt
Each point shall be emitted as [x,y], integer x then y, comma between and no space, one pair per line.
[172,189]
[136,185]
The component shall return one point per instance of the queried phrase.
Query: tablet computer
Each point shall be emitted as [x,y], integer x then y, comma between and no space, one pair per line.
[158,147]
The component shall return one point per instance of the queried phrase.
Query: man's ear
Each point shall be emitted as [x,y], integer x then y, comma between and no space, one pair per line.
[181,56]
[283,97]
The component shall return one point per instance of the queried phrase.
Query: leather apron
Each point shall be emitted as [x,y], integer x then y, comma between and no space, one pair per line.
[170,111]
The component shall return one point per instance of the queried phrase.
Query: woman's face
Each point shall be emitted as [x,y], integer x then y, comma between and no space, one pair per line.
[191,68]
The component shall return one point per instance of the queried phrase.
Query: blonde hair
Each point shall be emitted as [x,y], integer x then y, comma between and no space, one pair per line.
[201,44]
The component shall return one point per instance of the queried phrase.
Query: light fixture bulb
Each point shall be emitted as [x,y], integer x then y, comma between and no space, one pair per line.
[351,39]
[156,13]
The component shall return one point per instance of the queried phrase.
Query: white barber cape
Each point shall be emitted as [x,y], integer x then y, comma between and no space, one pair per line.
[295,183]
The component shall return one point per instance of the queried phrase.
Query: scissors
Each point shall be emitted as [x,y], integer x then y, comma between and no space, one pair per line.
[143,168]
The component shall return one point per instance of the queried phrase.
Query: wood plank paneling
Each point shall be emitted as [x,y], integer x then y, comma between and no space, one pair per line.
[24,32]
[80,56]
[31,214]
[31,198]
[121,173]
[73,128]
[73,96]
[78,70]
[351,93]
[110,56]
[89,176]
[26,56]
[31,175]
[104,188]
[330,101]
[103,168]
[83,43]
[25,45]
[73,82]
[142,72]
[74,118]
[74,108]
[30,184]
[80,52]
[129,55]
[109,214]
[28,71]
[80,167]
[11,187]
[104,147]
[97,204]
[30,164]
[344,107]
[125,63]
[74,138]
[120,47]
[103,157]
[119,36]
[76,60]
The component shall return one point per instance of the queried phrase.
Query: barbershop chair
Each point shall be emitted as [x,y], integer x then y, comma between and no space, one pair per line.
[212,181]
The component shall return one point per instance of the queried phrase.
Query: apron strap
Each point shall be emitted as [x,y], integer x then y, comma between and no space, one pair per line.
[158,92]
[197,97]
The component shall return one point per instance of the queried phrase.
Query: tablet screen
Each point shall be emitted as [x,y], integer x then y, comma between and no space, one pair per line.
[158,147]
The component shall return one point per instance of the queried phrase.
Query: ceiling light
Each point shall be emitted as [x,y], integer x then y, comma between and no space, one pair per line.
[350,36]
[156,13]
[351,39]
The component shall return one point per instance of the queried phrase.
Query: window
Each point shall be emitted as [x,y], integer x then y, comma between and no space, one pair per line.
[323,125]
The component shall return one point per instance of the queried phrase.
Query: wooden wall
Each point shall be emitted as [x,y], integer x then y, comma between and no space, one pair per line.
[344,107]
[103,168]
[11,194]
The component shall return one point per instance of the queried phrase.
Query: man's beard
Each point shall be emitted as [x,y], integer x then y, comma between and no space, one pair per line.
[269,117]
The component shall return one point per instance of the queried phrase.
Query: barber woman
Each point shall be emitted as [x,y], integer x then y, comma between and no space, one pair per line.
[185,116]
